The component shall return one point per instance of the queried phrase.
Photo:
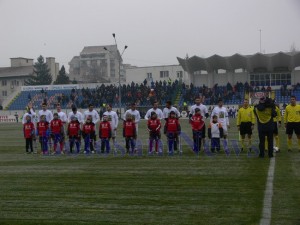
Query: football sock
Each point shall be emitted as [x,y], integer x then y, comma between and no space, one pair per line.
[250,143]
[243,143]
[266,143]
[277,141]
[55,147]
[289,143]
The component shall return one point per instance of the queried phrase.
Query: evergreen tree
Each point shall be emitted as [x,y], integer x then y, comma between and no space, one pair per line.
[41,73]
[62,77]
[74,81]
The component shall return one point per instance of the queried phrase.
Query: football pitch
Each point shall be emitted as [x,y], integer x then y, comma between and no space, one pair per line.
[181,189]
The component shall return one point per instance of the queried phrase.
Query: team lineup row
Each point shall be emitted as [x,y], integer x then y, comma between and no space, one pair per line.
[53,125]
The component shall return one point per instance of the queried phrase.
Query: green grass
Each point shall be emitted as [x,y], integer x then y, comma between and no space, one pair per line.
[142,190]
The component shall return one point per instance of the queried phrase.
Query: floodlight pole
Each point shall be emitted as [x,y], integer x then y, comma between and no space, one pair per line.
[260,40]
[120,61]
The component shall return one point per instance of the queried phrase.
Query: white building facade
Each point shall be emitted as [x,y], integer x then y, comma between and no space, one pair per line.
[97,64]
[157,73]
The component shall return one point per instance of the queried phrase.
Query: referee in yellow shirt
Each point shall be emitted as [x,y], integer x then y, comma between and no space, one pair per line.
[292,122]
[245,123]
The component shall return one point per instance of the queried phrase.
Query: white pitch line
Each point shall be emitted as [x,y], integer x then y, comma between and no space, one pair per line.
[267,207]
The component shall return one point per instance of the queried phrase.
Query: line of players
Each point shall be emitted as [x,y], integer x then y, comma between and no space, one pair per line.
[51,127]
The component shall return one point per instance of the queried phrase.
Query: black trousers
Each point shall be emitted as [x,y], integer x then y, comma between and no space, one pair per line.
[265,130]
[29,145]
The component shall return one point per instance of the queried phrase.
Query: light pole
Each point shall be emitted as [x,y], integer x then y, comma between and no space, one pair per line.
[119,60]
[260,40]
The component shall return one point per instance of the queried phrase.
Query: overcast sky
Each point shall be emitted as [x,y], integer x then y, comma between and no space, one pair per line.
[156,31]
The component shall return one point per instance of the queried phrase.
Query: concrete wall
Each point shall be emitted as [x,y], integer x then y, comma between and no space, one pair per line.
[50,61]
[295,76]
[210,79]
[16,62]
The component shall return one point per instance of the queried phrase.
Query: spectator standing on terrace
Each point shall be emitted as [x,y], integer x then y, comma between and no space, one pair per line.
[113,119]
[155,109]
[46,112]
[77,114]
[93,113]
[221,112]
[17,117]
[233,112]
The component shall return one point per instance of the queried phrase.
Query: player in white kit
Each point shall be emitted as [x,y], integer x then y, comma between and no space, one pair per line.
[221,112]
[114,121]
[155,109]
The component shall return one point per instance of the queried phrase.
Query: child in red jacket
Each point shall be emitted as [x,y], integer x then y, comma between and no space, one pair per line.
[28,130]
[88,134]
[74,134]
[43,132]
[197,124]
[154,126]
[129,133]
[172,129]
[57,132]
[105,134]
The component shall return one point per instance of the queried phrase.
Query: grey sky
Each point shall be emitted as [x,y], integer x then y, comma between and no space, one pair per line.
[156,31]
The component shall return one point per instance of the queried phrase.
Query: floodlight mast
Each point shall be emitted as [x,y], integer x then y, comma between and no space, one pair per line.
[119,57]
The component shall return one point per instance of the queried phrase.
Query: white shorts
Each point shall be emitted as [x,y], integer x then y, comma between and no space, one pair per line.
[113,133]
[137,128]
[225,129]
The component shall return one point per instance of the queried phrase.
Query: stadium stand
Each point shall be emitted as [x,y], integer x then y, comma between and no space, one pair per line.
[144,95]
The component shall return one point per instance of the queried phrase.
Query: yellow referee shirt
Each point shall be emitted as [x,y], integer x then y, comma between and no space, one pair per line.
[292,113]
[245,115]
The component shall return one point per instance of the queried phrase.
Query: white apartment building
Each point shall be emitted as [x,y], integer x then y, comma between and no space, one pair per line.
[157,73]
[97,64]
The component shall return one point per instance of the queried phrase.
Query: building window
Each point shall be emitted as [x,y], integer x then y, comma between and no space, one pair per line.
[149,75]
[4,83]
[112,68]
[164,74]
[273,79]
[179,74]
[4,93]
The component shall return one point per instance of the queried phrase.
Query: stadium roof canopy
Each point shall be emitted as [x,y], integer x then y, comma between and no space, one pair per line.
[263,62]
